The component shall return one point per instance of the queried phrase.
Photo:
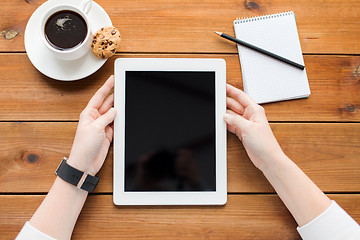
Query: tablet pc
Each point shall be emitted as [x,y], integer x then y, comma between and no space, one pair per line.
[169,132]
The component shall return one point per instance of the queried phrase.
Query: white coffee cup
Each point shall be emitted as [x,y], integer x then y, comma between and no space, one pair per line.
[81,49]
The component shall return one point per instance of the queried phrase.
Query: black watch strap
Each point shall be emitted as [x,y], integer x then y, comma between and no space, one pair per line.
[76,177]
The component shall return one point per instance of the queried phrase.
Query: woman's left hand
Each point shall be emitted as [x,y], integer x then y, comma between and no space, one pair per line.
[94,132]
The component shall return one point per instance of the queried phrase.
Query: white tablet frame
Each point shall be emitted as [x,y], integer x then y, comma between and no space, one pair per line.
[218,197]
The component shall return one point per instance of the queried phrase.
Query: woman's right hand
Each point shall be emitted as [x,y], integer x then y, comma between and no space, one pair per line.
[248,121]
[300,195]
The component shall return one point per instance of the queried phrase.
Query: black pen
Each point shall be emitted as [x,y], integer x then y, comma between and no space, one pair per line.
[270,54]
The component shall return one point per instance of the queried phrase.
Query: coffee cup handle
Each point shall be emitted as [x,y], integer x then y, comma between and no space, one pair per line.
[86,6]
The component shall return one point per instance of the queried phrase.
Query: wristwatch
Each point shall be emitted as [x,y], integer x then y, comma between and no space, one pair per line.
[76,177]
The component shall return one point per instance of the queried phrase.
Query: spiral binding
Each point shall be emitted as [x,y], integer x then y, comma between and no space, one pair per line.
[263,17]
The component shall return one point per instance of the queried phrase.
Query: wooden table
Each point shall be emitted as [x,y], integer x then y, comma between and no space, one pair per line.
[38,118]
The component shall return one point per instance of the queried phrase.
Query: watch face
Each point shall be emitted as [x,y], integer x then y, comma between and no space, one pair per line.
[170,131]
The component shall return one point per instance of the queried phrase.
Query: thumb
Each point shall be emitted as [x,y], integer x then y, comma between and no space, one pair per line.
[106,118]
[236,121]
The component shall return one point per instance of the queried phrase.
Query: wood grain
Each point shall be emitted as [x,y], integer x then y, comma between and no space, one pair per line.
[329,26]
[327,150]
[26,94]
[328,153]
[243,217]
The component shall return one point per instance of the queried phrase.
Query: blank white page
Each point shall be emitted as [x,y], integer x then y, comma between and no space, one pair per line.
[267,79]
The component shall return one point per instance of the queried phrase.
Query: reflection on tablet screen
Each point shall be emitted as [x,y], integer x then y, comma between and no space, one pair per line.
[170,131]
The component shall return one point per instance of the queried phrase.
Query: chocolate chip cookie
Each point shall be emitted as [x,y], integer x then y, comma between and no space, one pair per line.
[105,42]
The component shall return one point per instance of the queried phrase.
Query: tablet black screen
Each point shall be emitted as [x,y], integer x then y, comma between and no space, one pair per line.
[169,131]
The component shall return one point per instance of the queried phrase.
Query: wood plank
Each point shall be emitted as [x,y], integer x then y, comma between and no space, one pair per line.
[186,26]
[328,153]
[243,217]
[26,94]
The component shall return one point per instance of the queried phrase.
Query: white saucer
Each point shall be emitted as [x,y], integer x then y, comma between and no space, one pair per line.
[47,63]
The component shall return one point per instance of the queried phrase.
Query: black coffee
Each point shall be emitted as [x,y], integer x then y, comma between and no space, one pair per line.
[65,30]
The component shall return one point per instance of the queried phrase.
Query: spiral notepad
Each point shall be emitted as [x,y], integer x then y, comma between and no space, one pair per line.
[266,79]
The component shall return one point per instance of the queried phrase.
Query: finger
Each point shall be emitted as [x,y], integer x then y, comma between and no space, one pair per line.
[235,120]
[229,111]
[112,127]
[97,100]
[107,104]
[255,112]
[106,118]
[234,105]
[109,132]
[230,128]
[239,95]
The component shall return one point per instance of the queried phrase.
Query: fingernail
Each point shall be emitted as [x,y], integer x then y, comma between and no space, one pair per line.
[226,116]
[112,110]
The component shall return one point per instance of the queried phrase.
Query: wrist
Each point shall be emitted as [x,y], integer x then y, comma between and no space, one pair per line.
[81,165]
[273,162]
[63,184]
[76,177]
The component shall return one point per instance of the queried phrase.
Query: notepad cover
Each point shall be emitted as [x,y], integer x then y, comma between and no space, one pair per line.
[267,79]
